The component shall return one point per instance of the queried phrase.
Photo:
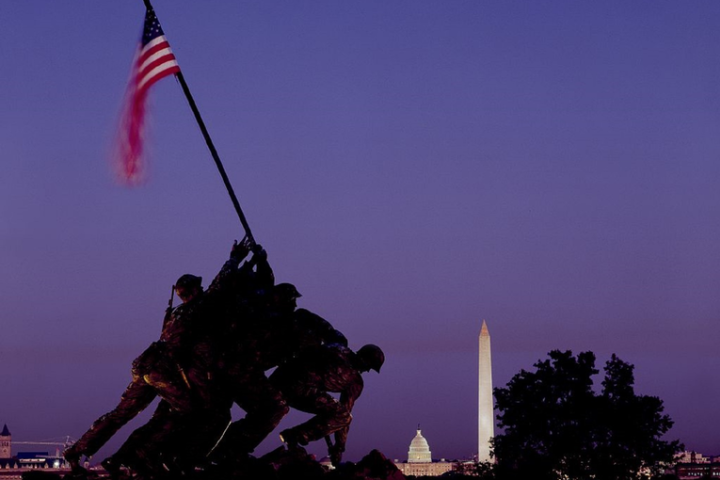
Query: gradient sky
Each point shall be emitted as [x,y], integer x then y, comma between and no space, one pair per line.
[413,167]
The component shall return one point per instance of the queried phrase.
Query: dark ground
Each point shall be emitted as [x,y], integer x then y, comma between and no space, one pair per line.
[279,464]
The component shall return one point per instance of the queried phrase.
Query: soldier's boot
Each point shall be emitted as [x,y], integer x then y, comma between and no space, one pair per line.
[76,471]
[335,452]
[113,466]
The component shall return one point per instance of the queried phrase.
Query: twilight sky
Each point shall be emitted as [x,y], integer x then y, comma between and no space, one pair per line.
[413,167]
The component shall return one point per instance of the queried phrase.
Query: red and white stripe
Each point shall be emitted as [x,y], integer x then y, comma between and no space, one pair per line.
[155,62]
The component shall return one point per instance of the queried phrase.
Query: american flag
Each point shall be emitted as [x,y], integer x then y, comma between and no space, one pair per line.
[153,62]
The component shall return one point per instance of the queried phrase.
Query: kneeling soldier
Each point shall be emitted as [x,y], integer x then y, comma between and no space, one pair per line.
[306,382]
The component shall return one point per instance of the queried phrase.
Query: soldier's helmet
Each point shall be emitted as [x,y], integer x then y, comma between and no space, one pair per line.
[372,355]
[188,281]
[286,290]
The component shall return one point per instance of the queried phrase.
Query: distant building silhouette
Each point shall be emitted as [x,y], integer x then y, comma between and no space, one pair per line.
[13,465]
[420,461]
[688,471]
[5,443]
[694,465]
[693,457]
[419,449]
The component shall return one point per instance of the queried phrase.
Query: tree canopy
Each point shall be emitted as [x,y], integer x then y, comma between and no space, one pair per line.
[557,427]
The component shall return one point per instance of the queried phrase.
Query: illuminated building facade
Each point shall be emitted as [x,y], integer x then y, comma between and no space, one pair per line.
[420,460]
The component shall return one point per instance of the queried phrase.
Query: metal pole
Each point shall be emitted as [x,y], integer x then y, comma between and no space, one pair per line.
[213,151]
[216,157]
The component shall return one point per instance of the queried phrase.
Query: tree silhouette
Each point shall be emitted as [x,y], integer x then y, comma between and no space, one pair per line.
[556,426]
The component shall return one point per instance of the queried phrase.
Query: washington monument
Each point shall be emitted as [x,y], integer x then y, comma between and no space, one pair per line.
[486,421]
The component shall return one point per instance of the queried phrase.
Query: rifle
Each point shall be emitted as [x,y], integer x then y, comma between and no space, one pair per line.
[172,296]
[334,451]
[168,310]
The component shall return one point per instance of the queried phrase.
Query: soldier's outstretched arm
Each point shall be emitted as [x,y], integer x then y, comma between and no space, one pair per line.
[137,396]
[351,392]
[347,398]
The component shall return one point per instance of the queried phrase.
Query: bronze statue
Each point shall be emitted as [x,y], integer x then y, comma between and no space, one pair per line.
[214,349]
[271,335]
[305,383]
[179,368]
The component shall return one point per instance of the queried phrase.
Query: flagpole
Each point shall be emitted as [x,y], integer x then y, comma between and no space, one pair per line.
[216,157]
[211,147]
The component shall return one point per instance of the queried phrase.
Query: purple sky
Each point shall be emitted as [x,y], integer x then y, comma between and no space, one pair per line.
[412,166]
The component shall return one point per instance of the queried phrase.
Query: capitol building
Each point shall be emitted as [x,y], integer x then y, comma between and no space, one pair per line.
[420,461]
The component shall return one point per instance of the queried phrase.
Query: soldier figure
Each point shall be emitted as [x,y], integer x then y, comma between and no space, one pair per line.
[215,349]
[305,383]
[181,369]
[299,330]
[269,336]
[244,340]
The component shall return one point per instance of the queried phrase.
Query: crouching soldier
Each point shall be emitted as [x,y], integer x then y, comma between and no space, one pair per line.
[306,382]
[275,335]
[180,369]
[194,410]
[137,396]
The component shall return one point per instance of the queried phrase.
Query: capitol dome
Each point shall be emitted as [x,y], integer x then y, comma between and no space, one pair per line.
[419,450]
